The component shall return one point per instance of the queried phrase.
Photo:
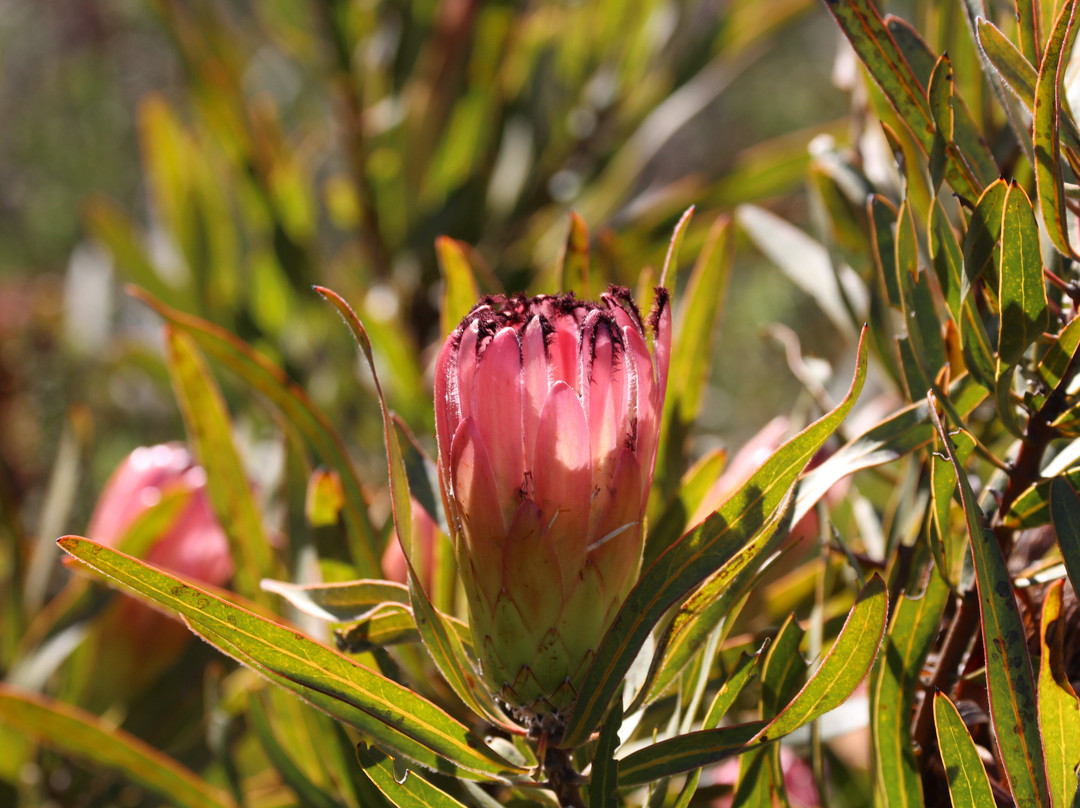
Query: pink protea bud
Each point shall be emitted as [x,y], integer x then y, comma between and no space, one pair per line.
[194,545]
[134,642]
[547,412]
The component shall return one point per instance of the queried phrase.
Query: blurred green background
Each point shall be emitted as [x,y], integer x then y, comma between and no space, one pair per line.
[228,155]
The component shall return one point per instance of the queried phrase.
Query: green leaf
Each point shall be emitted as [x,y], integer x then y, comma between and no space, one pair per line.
[1019,74]
[572,269]
[947,258]
[391,624]
[714,601]
[1021,291]
[392,715]
[697,320]
[291,400]
[72,731]
[969,786]
[673,521]
[684,753]
[1065,516]
[912,632]
[1028,19]
[884,216]
[1059,709]
[696,556]
[411,792]
[1049,171]
[844,666]
[981,242]
[209,429]
[1062,351]
[745,668]
[460,290]
[1013,707]
[338,602]
[905,431]
[671,260]
[1016,69]
[940,94]
[878,50]
[441,641]
[605,768]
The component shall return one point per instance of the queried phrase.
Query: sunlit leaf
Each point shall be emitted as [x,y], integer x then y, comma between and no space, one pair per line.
[1013,706]
[210,431]
[411,792]
[460,290]
[1059,710]
[912,631]
[1047,127]
[338,602]
[391,714]
[684,753]
[844,666]
[968,784]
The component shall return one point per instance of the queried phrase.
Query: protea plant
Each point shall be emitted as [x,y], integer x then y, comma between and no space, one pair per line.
[547,416]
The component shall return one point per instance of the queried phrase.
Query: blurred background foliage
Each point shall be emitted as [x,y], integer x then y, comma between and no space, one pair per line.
[226,156]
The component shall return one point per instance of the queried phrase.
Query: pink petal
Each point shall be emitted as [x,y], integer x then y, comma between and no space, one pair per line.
[475,493]
[563,474]
[447,409]
[648,424]
[534,365]
[604,394]
[497,410]
[466,369]
[563,351]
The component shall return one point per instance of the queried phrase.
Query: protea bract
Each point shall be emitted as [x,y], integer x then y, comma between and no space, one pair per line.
[548,414]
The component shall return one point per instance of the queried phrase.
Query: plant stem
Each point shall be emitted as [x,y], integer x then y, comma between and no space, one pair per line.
[563,779]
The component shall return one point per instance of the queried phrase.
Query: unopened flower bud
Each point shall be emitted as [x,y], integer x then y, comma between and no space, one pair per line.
[547,413]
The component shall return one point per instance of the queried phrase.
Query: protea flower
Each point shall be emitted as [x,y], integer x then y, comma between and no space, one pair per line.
[134,642]
[194,545]
[547,413]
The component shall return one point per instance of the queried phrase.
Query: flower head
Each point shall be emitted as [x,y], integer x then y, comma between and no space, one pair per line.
[194,545]
[547,413]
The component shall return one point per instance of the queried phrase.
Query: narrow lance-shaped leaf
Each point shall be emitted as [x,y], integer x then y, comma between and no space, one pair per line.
[605,770]
[210,431]
[573,264]
[968,784]
[1059,710]
[1065,516]
[392,715]
[1049,171]
[412,791]
[844,666]
[698,316]
[912,631]
[697,555]
[294,403]
[442,642]
[72,731]
[876,47]
[460,291]
[1021,291]
[1019,74]
[685,753]
[1011,686]
[338,602]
